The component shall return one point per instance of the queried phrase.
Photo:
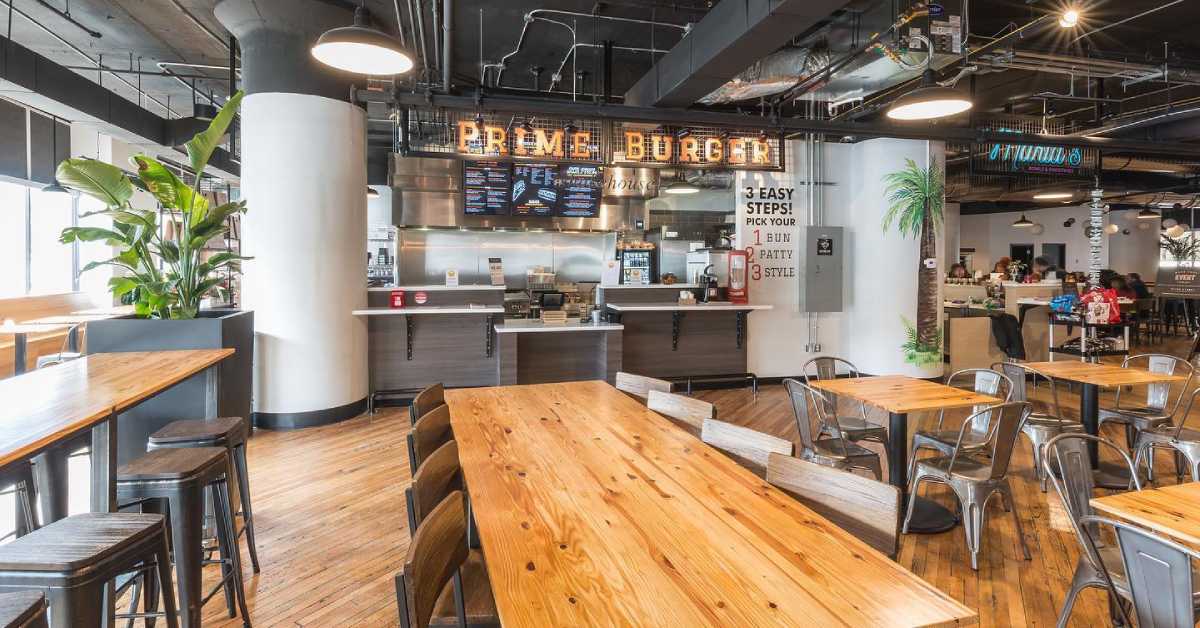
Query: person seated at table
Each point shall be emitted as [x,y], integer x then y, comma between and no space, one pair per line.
[1002,265]
[1139,287]
[1042,265]
[1119,284]
[958,271]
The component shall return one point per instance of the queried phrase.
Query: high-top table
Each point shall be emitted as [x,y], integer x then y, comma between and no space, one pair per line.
[20,334]
[594,511]
[901,395]
[57,404]
[1092,377]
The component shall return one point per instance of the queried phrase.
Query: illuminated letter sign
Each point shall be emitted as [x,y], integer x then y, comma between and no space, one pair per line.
[760,153]
[635,146]
[548,147]
[713,150]
[689,150]
[660,147]
[496,142]
[467,133]
[579,145]
[737,151]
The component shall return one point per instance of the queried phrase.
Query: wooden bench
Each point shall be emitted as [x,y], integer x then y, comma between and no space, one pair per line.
[21,309]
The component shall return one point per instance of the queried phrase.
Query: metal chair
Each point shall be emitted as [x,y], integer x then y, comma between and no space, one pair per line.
[973,480]
[1158,575]
[1184,440]
[831,452]
[1066,462]
[1040,426]
[1157,410]
[851,428]
[945,442]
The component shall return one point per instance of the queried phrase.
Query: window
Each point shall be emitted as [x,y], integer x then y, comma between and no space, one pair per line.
[12,240]
[94,282]
[51,263]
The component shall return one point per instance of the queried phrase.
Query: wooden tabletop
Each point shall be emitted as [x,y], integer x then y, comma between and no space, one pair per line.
[900,394]
[57,402]
[594,511]
[32,328]
[1103,375]
[1171,510]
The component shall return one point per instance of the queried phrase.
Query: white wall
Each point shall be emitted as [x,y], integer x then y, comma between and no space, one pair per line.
[379,209]
[992,234]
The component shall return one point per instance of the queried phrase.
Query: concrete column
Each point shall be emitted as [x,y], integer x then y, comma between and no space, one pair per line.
[304,176]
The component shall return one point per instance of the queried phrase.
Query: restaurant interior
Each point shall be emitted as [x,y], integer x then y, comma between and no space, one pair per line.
[611,313]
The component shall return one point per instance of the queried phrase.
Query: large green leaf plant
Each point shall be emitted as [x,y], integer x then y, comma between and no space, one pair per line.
[163,272]
[916,198]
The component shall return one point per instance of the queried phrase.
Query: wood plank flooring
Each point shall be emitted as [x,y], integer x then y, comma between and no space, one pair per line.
[332,531]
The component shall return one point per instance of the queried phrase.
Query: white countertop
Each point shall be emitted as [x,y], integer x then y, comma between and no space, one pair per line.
[525,325]
[720,306]
[428,309]
[972,306]
[433,288]
[660,286]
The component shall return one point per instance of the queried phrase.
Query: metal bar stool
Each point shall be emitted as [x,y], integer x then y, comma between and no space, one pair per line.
[180,476]
[23,609]
[230,433]
[74,559]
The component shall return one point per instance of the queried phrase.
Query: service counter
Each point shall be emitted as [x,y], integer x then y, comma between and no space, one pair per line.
[533,352]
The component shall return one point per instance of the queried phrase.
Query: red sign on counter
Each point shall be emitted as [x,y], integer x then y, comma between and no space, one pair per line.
[421,298]
[397,298]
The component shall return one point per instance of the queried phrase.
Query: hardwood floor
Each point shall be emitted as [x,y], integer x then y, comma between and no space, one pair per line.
[332,531]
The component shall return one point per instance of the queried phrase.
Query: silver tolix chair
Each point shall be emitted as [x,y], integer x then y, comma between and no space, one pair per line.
[974,480]
[838,453]
[851,428]
[1043,423]
[1065,461]
[1157,409]
[945,441]
[1183,440]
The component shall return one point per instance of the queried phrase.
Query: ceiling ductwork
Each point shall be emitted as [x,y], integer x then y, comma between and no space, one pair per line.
[770,75]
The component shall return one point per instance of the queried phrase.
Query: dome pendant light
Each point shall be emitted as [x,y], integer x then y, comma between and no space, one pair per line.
[54,185]
[362,49]
[930,101]
[1022,222]
[1148,214]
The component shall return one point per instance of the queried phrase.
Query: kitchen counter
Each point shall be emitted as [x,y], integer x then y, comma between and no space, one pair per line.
[434,288]
[719,306]
[677,286]
[427,310]
[519,326]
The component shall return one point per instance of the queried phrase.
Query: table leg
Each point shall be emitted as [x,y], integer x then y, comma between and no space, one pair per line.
[1105,475]
[50,471]
[104,492]
[19,345]
[928,517]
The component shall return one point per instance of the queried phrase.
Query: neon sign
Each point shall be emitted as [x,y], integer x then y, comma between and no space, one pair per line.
[1031,159]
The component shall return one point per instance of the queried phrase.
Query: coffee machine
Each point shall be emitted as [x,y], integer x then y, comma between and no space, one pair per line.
[710,289]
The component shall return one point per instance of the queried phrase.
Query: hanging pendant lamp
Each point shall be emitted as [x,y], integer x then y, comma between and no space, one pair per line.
[930,101]
[362,49]
[54,185]
[1022,222]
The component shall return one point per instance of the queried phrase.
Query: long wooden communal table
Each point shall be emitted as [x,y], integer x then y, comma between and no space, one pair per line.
[594,511]
[1173,511]
[49,407]
[900,395]
[1093,377]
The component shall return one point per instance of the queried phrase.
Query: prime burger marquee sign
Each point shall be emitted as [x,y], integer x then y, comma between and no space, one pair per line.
[614,143]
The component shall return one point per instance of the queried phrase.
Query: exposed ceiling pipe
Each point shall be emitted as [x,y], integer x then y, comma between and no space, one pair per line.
[447,42]
[1128,19]
[421,37]
[400,23]
[529,19]
[685,28]
[201,25]
[66,15]
[134,72]
[556,78]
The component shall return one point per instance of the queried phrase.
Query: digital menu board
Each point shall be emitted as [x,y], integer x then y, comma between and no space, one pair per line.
[486,187]
[534,189]
[579,191]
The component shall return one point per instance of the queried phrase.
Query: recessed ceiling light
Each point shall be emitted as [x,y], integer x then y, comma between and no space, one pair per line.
[362,49]
[1052,196]
[1069,18]
[930,101]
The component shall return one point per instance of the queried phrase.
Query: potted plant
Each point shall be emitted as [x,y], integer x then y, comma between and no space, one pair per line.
[166,272]
[916,197]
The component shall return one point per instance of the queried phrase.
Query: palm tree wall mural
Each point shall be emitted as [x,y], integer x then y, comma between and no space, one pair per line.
[916,198]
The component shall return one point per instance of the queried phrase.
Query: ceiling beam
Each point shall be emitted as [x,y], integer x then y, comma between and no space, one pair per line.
[731,37]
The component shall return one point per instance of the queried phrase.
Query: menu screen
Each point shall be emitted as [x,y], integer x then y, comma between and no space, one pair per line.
[534,189]
[579,191]
[485,188]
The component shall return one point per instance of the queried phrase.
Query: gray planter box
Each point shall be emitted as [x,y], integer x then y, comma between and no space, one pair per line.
[214,329]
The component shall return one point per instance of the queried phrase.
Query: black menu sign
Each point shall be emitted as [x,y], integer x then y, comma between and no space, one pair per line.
[534,189]
[485,188]
[579,191]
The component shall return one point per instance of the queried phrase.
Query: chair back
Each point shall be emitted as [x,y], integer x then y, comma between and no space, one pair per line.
[435,554]
[687,411]
[1158,395]
[825,367]
[426,400]
[866,508]
[1159,574]
[748,447]
[1000,423]
[436,478]
[984,382]
[799,394]
[1067,463]
[429,432]
[640,385]
[1020,376]
[1187,411]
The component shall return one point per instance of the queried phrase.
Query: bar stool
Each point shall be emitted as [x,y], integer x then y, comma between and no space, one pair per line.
[180,476]
[75,558]
[228,432]
[23,609]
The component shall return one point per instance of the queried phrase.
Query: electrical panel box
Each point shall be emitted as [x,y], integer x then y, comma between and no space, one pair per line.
[822,252]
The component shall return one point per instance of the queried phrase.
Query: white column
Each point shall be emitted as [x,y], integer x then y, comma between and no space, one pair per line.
[304,176]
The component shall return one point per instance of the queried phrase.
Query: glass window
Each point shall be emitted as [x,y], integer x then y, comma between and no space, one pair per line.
[51,263]
[94,282]
[12,239]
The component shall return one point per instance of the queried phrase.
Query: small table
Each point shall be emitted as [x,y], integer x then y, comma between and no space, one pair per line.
[1092,377]
[20,332]
[1170,510]
[900,395]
